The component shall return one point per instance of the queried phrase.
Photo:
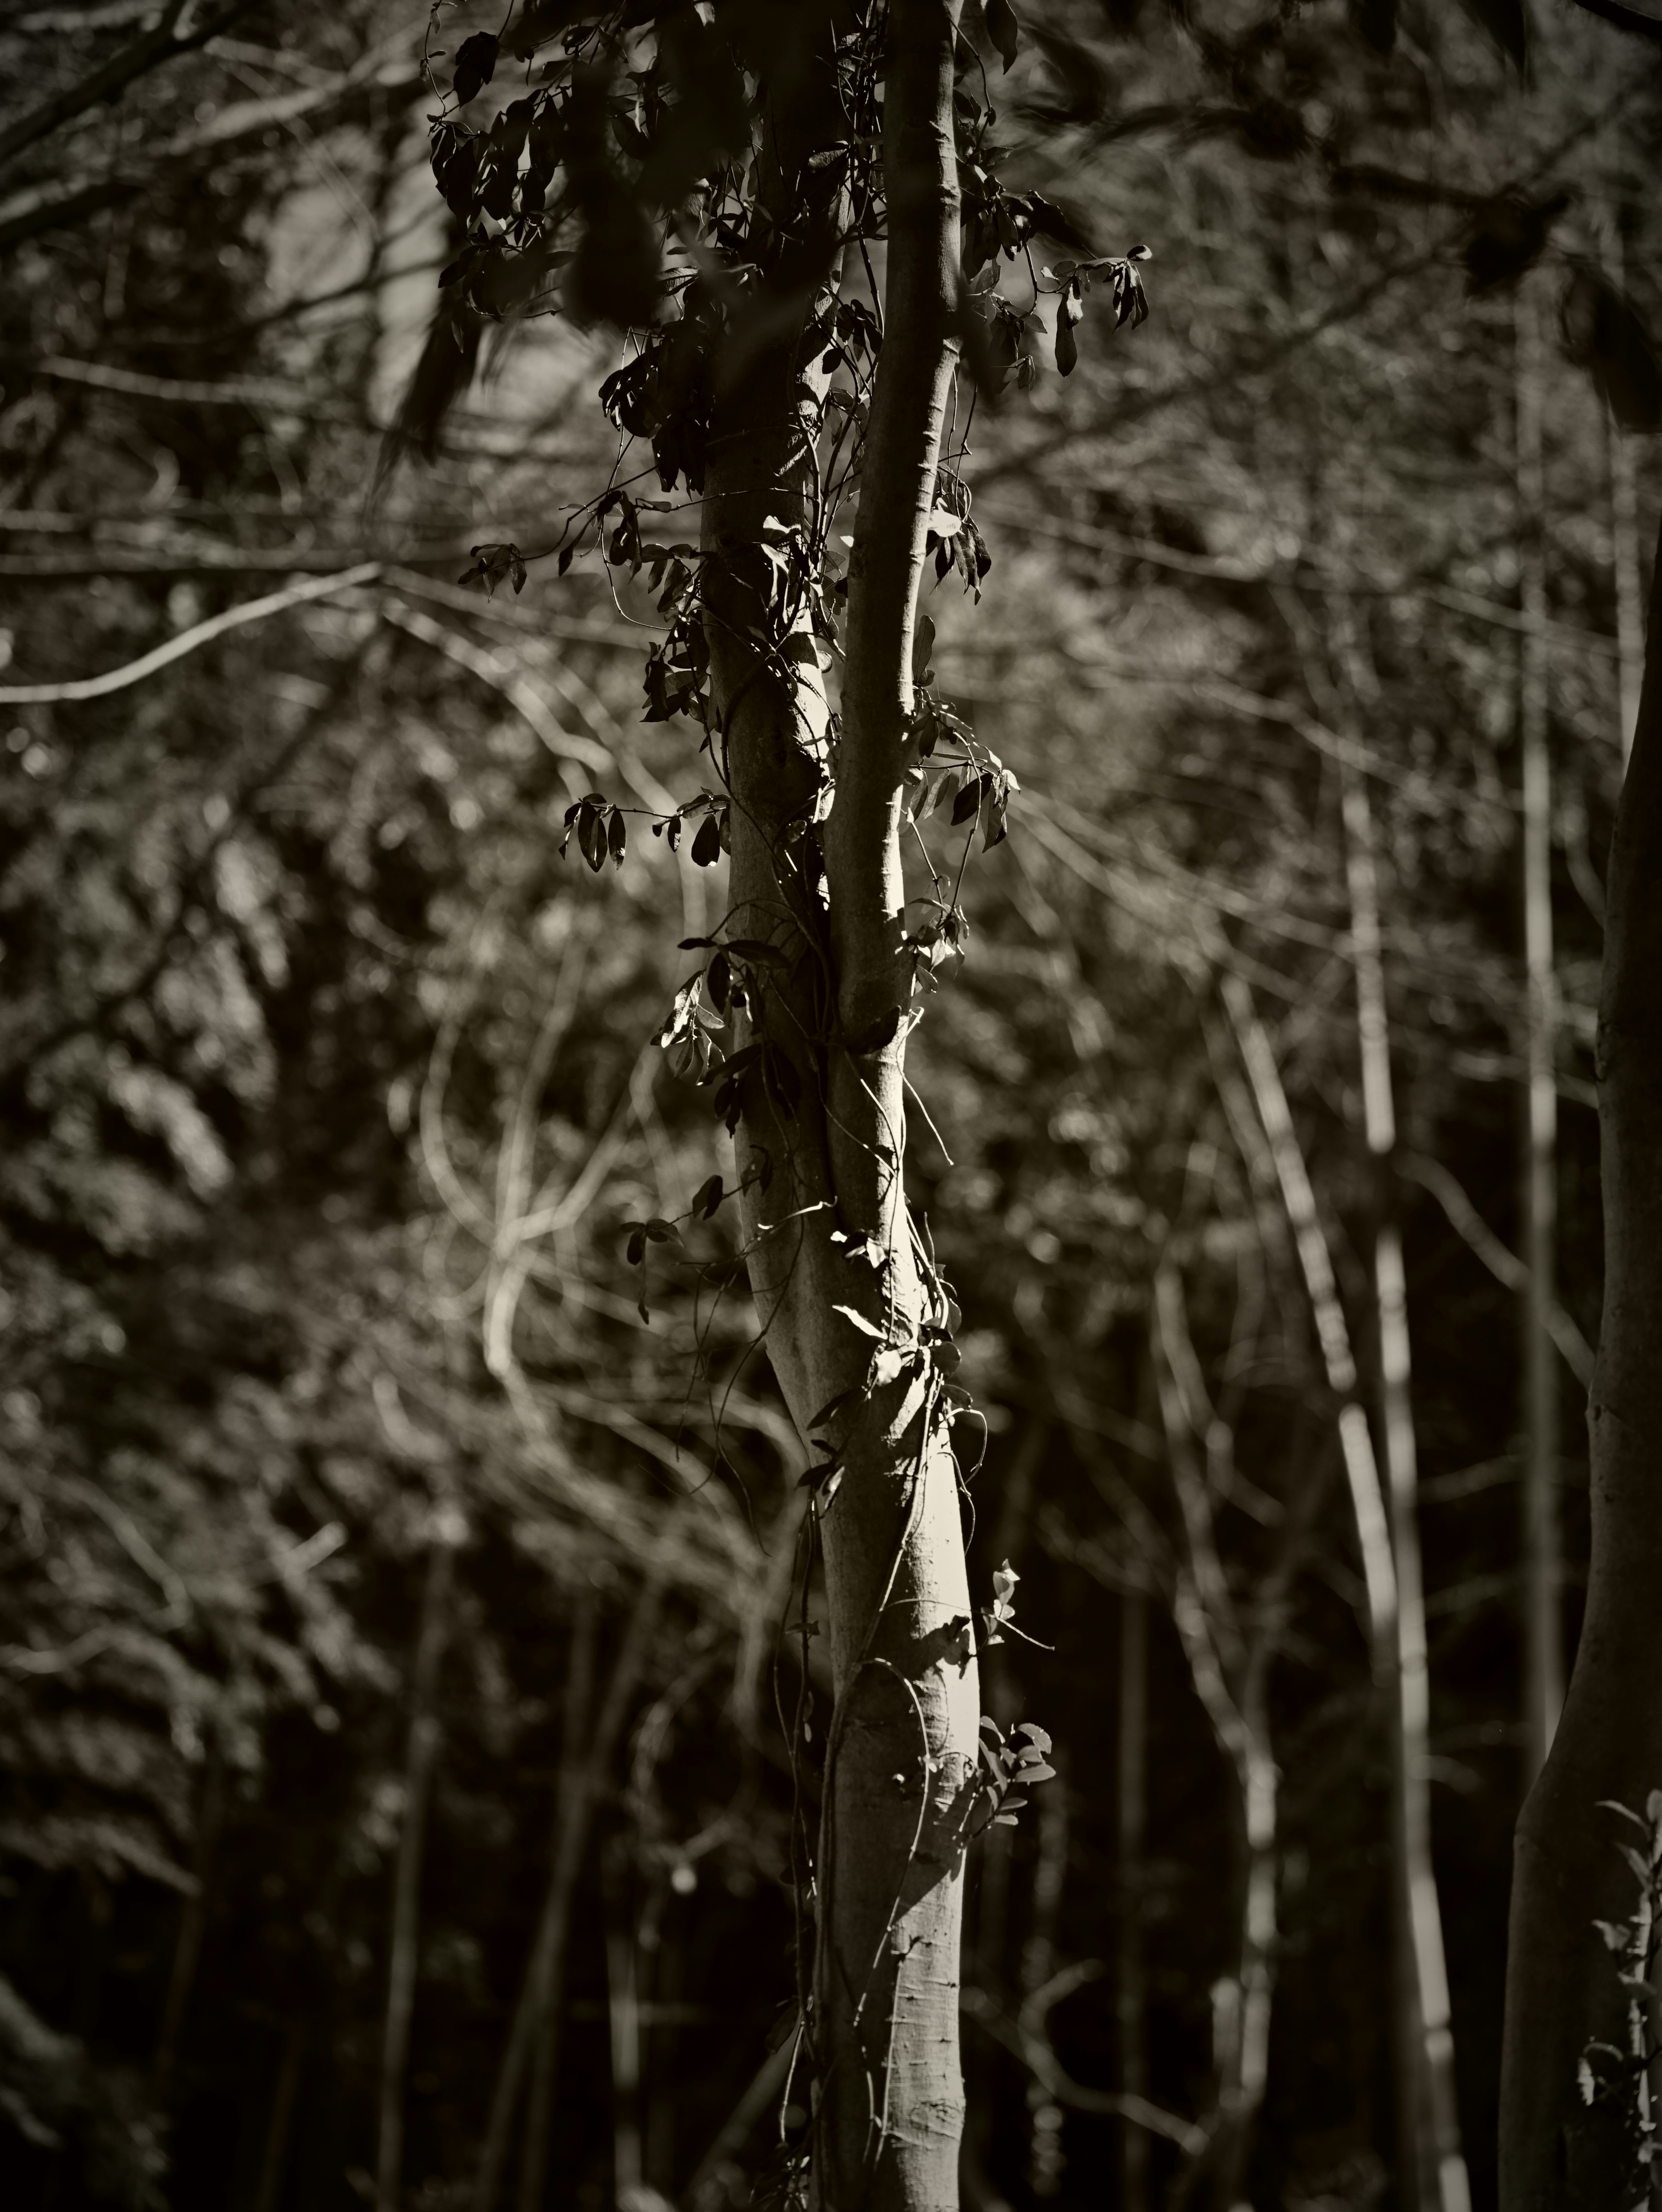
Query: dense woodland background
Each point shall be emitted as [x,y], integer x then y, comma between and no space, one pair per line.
[381,1587]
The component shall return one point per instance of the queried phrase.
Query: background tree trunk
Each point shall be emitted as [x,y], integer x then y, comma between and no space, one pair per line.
[534,2031]
[1131,1758]
[1561,1988]
[444,1535]
[1544,1653]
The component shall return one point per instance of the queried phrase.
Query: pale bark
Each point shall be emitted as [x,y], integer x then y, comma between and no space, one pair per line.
[1544,1653]
[1624,541]
[1391,1559]
[1561,1989]
[1430,2139]
[420,1760]
[885,2028]
[1230,1671]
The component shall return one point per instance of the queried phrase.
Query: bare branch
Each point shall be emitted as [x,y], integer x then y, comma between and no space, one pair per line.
[147,51]
[188,641]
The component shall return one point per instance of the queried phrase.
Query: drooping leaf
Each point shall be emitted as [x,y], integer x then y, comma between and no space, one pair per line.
[1603,331]
[476,65]
[1004,29]
[922,646]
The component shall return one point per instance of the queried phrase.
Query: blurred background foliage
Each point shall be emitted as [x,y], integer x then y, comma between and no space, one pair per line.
[396,1623]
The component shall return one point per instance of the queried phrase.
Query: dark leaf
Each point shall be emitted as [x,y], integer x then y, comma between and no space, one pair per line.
[1605,335]
[1067,346]
[831,1408]
[618,837]
[1051,221]
[476,65]
[922,646]
[709,1198]
[967,805]
[707,845]
[1003,29]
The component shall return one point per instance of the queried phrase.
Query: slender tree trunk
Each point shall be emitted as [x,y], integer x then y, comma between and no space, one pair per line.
[1045,2156]
[284,2096]
[889,2112]
[622,1956]
[1624,540]
[1002,1695]
[542,1990]
[1424,2017]
[1131,2001]
[1561,1988]
[421,1757]
[1399,1650]
[1543,1656]
[1230,1671]
[574,1758]
[193,1918]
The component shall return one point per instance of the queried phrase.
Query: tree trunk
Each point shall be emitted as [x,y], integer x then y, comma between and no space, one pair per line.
[1543,1656]
[420,1759]
[1391,1550]
[538,2006]
[193,1918]
[824,1116]
[566,1860]
[1131,1749]
[1230,1670]
[1430,2158]
[284,2096]
[1046,2158]
[1625,539]
[1561,1988]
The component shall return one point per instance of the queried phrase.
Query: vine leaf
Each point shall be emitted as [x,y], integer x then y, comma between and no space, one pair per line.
[1605,336]
[476,65]
[1004,29]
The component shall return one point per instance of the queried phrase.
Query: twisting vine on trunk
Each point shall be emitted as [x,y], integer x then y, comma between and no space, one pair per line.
[796,216]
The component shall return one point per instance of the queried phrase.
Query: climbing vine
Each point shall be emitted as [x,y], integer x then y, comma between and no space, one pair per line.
[623,166]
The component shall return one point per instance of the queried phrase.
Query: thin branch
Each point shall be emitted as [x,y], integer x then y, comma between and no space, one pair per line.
[1504,1265]
[188,641]
[147,51]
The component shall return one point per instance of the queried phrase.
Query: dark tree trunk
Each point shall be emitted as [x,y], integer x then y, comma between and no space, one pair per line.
[1561,1988]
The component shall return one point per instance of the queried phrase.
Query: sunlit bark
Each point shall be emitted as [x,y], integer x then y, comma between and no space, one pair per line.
[902,1749]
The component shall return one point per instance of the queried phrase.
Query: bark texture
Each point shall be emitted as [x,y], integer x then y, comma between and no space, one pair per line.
[1562,1991]
[901,1754]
